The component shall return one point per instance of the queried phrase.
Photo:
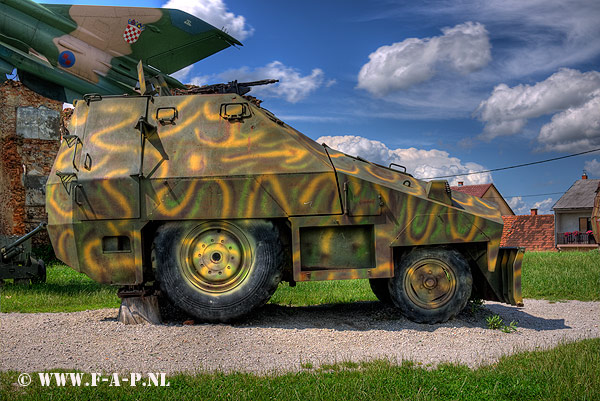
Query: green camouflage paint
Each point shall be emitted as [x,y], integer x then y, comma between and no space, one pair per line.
[131,163]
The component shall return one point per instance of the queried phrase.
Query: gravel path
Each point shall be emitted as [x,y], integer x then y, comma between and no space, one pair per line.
[281,338]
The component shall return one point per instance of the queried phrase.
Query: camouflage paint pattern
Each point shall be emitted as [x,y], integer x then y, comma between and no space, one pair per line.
[219,157]
[74,50]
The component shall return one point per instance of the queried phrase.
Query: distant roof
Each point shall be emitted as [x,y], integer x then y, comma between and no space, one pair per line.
[535,233]
[580,196]
[474,190]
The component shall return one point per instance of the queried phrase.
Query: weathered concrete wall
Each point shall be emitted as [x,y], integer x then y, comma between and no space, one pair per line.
[29,140]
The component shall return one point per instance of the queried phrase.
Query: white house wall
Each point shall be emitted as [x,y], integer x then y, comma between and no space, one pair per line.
[569,221]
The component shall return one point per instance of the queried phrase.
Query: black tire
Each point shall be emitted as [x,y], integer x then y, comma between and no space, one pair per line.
[218,271]
[380,287]
[41,275]
[431,285]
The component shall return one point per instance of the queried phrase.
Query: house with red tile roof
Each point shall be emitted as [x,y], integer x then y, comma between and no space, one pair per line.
[534,232]
[487,192]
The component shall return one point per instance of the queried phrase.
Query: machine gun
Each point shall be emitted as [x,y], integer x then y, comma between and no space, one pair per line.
[16,262]
[241,88]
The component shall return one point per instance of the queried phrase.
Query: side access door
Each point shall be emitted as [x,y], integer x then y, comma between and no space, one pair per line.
[108,161]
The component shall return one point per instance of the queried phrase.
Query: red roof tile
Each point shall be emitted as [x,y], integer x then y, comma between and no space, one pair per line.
[474,190]
[535,233]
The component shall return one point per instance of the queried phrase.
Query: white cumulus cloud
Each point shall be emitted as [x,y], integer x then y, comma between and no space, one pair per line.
[544,35]
[463,48]
[592,167]
[182,74]
[544,206]
[572,96]
[519,206]
[214,12]
[419,162]
[576,128]
[292,85]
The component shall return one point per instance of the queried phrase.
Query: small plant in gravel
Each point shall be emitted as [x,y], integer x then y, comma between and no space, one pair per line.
[495,322]
[306,365]
[512,326]
[475,305]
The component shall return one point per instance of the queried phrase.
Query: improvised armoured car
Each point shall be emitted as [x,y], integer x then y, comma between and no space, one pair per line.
[216,200]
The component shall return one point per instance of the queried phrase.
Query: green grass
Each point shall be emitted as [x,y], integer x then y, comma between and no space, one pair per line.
[567,372]
[65,290]
[323,292]
[562,275]
[546,275]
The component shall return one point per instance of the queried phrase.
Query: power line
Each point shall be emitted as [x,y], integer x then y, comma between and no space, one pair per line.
[527,196]
[515,166]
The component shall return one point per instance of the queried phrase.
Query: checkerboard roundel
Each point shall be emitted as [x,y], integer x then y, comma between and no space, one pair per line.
[133,31]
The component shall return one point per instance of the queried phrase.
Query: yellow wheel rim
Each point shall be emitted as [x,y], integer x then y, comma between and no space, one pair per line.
[430,283]
[215,257]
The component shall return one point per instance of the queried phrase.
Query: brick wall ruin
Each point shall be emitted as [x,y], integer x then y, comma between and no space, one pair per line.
[29,140]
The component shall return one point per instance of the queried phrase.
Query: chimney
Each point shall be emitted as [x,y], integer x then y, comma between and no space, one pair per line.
[534,212]
[584,175]
[461,183]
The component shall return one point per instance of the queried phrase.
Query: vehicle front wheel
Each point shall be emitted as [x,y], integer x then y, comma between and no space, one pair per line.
[218,271]
[431,285]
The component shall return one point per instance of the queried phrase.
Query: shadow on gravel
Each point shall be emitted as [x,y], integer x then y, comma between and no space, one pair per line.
[362,316]
[525,320]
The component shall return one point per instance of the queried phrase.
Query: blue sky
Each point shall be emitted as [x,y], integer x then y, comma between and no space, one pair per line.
[442,87]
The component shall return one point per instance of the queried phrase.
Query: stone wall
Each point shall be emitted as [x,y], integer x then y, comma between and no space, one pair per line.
[29,140]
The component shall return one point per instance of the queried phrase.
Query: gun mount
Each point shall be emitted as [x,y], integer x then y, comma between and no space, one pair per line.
[16,261]
[241,88]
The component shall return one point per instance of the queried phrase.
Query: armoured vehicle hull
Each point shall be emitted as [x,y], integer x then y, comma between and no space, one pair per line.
[216,200]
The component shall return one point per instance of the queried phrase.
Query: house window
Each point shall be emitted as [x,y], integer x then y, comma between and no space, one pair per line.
[585,224]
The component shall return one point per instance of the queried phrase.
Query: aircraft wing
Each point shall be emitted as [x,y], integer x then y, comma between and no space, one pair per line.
[166,39]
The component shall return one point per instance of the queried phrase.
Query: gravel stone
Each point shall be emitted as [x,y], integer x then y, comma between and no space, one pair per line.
[280,338]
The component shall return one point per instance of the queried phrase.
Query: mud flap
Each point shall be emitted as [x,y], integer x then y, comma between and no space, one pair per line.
[509,265]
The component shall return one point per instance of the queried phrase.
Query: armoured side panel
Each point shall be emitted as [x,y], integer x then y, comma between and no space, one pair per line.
[414,216]
[109,161]
[245,166]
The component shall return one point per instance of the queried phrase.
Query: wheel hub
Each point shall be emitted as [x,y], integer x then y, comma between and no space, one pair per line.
[430,283]
[216,257]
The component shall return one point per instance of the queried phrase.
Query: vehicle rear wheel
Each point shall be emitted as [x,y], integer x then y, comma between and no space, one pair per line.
[431,285]
[218,271]
[380,287]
